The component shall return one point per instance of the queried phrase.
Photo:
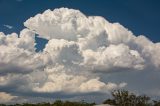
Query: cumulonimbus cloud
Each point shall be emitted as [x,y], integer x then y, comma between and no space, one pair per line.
[79,48]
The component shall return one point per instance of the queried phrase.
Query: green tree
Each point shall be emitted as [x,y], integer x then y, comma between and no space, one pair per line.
[143,101]
[109,101]
[156,103]
[58,103]
[125,98]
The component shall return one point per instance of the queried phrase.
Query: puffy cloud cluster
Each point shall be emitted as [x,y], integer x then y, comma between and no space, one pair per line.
[79,49]
[114,45]
[17,53]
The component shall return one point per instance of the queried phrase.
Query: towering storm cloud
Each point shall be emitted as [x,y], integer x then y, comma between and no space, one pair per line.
[80,52]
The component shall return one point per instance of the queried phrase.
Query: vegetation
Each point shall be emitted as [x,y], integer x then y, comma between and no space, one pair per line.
[119,98]
[125,98]
[56,103]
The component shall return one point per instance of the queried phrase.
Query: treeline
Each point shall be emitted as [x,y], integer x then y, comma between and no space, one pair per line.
[119,98]
[56,103]
[125,98]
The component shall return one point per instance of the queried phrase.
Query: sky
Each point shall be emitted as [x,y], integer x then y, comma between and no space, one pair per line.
[142,17]
[80,50]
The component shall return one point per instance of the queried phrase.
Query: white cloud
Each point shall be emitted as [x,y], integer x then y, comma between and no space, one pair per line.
[93,33]
[4,97]
[60,79]
[80,54]
[114,56]
[65,52]
[17,53]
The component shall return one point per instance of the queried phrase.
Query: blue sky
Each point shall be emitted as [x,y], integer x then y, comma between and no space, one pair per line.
[139,16]
[85,57]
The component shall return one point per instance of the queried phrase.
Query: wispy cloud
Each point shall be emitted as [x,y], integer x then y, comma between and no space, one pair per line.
[8,26]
